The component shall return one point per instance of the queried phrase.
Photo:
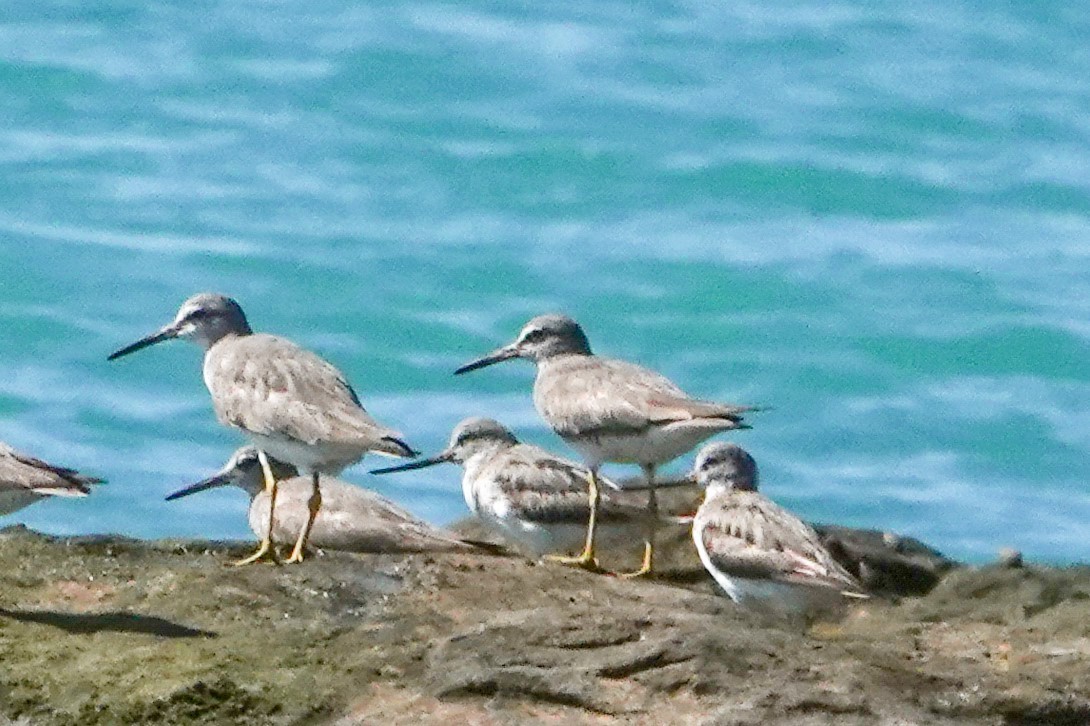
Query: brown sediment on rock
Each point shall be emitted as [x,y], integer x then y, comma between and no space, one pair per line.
[108,630]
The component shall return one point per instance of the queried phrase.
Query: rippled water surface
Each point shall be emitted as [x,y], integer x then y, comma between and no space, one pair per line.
[873,217]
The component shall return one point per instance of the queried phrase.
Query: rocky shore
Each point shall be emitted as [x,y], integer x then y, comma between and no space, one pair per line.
[111,631]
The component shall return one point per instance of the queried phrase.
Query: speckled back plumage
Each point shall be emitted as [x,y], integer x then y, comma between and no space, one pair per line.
[745,535]
[546,489]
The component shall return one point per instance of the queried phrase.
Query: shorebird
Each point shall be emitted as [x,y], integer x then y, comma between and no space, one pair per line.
[759,553]
[352,519]
[523,492]
[290,403]
[610,411]
[25,480]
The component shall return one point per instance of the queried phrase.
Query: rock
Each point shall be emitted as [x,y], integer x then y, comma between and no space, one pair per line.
[105,630]
[889,565]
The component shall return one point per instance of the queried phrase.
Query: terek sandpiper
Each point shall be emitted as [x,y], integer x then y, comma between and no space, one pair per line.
[25,480]
[759,553]
[526,494]
[292,404]
[611,411]
[352,519]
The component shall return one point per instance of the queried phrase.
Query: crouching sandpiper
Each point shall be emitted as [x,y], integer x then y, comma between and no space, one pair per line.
[759,553]
[352,519]
[523,492]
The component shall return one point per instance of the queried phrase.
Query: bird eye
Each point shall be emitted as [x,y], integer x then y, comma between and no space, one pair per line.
[532,335]
[712,461]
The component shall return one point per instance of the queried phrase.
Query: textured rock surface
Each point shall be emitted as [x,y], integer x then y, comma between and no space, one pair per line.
[114,631]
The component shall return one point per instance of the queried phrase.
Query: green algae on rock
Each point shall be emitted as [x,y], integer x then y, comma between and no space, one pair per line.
[104,630]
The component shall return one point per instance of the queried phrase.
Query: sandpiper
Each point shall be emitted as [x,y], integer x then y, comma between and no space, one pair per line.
[760,554]
[352,519]
[292,404]
[611,411]
[25,480]
[524,493]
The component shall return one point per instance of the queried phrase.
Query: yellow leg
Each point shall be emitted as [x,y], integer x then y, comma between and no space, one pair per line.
[586,559]
[265,550]
[313,505]
[652,525]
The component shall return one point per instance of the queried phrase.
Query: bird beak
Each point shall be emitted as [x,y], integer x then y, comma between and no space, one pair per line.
[166,333]
[217,480]
[499,354]
[440,458]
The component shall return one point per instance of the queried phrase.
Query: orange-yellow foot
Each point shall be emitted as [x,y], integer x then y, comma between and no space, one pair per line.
[265,551]
[645,568]
[586,561]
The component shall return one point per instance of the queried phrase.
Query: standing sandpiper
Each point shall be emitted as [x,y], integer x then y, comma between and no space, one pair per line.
[610,411]
[523,492]
[292,404]
[760,554]
[352,519]
[25,480]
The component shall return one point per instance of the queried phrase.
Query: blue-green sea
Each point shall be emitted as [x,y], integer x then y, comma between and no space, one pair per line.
[873,217]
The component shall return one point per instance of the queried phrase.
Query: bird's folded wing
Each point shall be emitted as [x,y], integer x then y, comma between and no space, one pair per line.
[272,387]
[602,396]
[664,408]
[545,489]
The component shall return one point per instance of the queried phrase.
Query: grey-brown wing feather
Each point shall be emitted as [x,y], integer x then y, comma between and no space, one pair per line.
[270,386]
[747,535]
[581,394]
[551,490]
[20,471]
[351,519]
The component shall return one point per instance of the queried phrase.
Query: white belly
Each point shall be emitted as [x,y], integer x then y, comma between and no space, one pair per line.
[654,446]
[329,459]
[536,539]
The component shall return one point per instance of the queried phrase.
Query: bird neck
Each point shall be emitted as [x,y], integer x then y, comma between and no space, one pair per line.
[714,491]
[213,338]
[560,359]
[482,453]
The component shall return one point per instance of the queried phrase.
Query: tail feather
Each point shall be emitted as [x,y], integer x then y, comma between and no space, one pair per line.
[736,414]
[79,482]
[62,491]
[394,447]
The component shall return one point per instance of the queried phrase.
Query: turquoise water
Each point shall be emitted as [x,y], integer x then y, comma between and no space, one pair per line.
[874,217]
